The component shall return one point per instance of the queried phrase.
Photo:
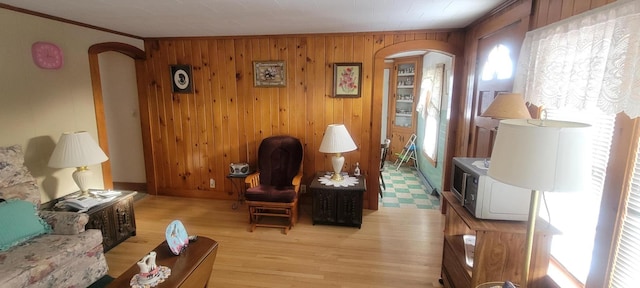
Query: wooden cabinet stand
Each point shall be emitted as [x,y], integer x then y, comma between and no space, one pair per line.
[115,219]
[337,205]
[499,249]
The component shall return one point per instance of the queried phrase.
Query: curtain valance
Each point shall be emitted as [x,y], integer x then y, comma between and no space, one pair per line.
[593,57]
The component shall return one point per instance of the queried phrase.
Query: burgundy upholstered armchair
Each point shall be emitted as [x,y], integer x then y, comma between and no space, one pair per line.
[272,192]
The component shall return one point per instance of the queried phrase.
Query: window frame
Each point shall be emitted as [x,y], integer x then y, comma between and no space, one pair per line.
[616,189]
[624,146]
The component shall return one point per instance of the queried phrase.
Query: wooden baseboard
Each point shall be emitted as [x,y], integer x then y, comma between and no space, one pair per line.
[140,187]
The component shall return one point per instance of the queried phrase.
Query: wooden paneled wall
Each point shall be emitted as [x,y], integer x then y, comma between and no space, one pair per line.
[549,11]
[195,136]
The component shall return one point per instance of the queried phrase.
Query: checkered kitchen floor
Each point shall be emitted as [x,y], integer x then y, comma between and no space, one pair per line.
[405,189]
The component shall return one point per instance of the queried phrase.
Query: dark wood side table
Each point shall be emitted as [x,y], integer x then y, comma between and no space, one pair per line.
[116,218]
[192,268]
[240,187]
[337,205]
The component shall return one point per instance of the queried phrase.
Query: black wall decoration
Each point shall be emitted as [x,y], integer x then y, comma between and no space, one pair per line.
[181,81]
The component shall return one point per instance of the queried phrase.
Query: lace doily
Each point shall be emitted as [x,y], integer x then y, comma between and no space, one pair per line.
[152,280]
[347,181]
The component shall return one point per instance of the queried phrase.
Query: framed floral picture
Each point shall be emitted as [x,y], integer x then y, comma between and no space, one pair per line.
[269,74]
[347,80]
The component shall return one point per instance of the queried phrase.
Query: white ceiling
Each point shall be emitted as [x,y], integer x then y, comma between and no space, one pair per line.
[182,18]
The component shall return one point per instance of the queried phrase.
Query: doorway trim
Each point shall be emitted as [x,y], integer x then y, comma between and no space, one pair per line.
[376,109]
[139,56]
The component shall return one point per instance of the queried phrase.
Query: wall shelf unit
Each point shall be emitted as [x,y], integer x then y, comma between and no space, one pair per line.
[404,96]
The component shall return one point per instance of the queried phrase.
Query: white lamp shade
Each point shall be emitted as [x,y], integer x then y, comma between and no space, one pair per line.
[76,149]
[544,155]
[337,140]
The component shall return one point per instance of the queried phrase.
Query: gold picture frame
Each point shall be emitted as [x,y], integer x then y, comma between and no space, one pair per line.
[269,74]
[347,80]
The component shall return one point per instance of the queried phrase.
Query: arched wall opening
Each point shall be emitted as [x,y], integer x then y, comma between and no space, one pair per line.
[417,45]
[139,57]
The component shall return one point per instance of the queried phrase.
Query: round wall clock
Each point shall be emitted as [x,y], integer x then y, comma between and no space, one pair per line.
[46,55]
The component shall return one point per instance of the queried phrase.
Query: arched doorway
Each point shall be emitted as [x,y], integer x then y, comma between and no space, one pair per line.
[139,57]
[378,80]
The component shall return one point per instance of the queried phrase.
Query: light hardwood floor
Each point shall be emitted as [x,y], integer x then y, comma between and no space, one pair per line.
[395,247]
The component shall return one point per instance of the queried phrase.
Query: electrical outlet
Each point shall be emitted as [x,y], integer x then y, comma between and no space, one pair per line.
[212,183]
[303,189]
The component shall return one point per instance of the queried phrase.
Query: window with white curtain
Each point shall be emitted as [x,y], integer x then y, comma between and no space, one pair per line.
[593,56]
[586,62]
[432,89]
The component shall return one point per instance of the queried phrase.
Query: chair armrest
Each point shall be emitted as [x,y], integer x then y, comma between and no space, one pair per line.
[296,181]
[252,180]
[65,223]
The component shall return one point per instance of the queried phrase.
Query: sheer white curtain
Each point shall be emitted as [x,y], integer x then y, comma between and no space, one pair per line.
[591,56]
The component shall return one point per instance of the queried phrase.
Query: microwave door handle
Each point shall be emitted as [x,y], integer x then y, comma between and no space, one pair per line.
[464,187]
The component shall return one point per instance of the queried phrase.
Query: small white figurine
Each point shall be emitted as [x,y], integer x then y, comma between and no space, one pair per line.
[357,170]
[148,268]
[150,274]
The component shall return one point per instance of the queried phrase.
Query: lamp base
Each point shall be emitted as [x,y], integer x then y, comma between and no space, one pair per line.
[336,177]
[82,176]
[531,227]
[84,194]
[337,161]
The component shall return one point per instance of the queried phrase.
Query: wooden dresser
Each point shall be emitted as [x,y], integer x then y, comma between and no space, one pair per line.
[499,248]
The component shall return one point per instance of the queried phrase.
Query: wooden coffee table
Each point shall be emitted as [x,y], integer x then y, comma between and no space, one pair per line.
[192,268]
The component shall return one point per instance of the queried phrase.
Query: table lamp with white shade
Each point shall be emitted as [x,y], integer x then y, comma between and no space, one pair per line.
[541,155]
[337,140]
[77,149]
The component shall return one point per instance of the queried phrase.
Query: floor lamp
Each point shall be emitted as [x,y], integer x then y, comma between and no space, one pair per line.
[541,155]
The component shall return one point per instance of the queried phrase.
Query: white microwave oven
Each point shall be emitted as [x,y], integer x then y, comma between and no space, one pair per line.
[485,197]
